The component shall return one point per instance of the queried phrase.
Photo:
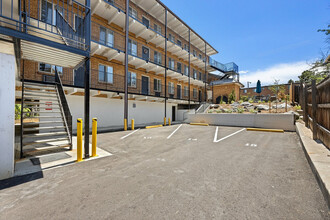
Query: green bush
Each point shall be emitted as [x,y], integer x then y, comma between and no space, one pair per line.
[245,98]
[259,102]
[240,110]
[229,111]
[18,111]
[221,100]
[250,100]
[232,96]
[252,111]
[240,101]
[218,111]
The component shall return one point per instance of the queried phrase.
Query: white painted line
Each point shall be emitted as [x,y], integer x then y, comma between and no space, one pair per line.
[216,135]
[174,132]
[129,134]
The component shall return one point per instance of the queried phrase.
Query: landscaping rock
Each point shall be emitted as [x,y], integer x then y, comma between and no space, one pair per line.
[246,104]
[282,105]
[262,107]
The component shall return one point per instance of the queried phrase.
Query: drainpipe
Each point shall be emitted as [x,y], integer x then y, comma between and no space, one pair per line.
[165,62]
[189,72]
[126,64]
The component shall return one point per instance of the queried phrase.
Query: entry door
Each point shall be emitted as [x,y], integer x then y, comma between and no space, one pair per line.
[178,88]
[173,113]
[200,95]
[145,85]
[79,77]
[145,21]
[145,53]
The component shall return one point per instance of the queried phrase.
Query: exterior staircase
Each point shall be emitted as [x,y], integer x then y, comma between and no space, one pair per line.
[46,121]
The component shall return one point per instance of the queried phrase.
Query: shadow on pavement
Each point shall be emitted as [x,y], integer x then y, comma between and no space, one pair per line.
[17,180]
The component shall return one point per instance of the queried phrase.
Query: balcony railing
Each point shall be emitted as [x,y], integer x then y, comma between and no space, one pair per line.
[53,20]
[229,67]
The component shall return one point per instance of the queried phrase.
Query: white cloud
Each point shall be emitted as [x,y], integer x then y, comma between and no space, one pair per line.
[284,72]
[243,71]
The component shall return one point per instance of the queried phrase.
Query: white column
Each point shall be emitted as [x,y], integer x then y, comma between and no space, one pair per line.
[7,115]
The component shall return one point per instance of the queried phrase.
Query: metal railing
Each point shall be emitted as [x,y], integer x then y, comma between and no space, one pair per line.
[229,67]
[65,110]
[54,20]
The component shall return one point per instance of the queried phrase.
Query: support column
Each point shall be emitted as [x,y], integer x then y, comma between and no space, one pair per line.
[205,79]
[126,63]
[87,81]
[189,72]
[7,115]
[165,61]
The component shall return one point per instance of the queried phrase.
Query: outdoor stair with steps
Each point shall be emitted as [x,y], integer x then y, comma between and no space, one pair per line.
[44,127]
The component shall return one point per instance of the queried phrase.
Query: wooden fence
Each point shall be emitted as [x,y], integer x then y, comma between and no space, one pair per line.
[315,101]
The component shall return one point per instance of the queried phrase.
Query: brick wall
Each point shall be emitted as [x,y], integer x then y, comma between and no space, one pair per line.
[225,90]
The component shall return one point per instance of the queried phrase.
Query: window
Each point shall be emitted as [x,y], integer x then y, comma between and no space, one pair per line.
[158,28]
[186,70]
[106,36]
[44,67]
[105,73]
[132,47]
[145,21]
[170,88]
[195,93]
[194,53]
[131,79]
[245,91]
[195,73]
[186,47]
[179,67]
[179,42]
[171,38]
[170,63]
[157,85]
[132,12]
[48,15]
[158,57]
[185,91]
[200,56]
[255,90]
[200,76]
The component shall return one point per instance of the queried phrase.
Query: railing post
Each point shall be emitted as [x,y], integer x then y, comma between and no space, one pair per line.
[305,105]
[314,107]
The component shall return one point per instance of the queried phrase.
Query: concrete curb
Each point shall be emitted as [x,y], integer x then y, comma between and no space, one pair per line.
[318,158]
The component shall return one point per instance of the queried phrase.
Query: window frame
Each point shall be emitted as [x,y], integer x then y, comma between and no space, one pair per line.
[129,79]
[133,42]
[130,12]
[194,93]
[106,73]
[159,85]
[51,68]
[185,91]
[171,88]
[107,31]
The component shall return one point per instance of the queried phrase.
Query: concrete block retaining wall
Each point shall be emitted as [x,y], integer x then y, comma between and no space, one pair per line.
[274,121]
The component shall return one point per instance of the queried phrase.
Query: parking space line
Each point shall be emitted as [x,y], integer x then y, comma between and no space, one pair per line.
[221,139]
[129,134]
[174,132]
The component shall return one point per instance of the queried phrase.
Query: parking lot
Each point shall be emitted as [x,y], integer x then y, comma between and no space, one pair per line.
[175,172]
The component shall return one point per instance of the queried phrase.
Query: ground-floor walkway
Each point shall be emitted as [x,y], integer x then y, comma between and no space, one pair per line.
[175,172]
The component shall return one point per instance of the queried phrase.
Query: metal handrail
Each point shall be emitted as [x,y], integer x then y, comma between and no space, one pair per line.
[65,110]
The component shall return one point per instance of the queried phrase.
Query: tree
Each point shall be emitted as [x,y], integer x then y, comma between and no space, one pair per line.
[277,90]
[290,81]
[232,96]
[327,32]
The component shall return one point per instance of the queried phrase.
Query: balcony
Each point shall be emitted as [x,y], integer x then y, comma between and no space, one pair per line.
[49,32]
[225,68]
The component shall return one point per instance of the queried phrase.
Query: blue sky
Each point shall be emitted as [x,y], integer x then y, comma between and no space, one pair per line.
[268,39]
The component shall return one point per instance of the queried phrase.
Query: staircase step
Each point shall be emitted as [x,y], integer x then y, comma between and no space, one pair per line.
[45,141]
[39,85]
[38,107]
[42,103]
[37,94]
[49,134]
[29,97]
[44,147]
[52,91]
[45,111]
[42,122]
[43,128]
[45,117]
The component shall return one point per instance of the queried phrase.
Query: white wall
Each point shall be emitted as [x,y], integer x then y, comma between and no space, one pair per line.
[110,112]
[274,121]
[7,115]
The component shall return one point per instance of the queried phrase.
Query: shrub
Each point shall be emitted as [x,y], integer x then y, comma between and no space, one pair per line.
[18,111]
[232,102]
[232,96]
[240,101]
[229,111]
[221,100]
[297,107]
[240,110]
[218,111]
[252,111]
[210,111]
[245,98]
[259,102]
[250,100]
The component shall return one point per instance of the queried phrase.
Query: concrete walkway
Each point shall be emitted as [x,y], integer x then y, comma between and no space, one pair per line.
[318,157]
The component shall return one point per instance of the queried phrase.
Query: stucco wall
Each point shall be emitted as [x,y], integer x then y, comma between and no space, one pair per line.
[7,115]
[110,112]
[274,121]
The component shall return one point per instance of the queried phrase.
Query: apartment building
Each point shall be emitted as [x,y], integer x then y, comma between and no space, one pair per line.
[72,62]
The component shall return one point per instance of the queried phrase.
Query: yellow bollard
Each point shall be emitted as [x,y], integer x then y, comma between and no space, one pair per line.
[79,140]
[132,124]
[94,137]
[164,121]
[125,124]
[169,121]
